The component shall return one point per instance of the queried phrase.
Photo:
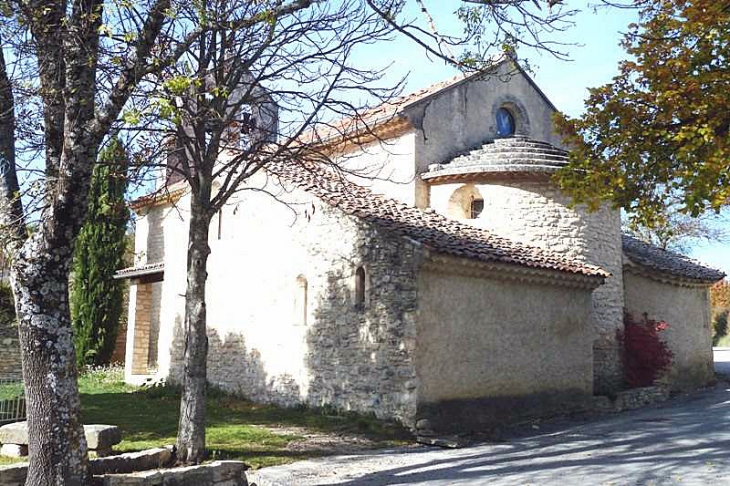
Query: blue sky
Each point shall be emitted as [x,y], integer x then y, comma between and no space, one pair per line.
[593,61]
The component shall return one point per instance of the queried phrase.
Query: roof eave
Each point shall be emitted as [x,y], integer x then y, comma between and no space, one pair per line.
[668,277]
[142,271]
[475,267]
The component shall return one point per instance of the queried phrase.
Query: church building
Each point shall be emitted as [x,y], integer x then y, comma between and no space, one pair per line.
[458,285]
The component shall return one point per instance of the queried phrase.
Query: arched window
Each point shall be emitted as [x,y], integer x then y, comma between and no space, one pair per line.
[465,203]
[360,288]
[506,125]
[300,302]
[476,207]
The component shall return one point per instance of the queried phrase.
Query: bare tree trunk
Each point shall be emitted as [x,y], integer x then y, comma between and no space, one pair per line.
[39,275]
[191,428]
[57,446]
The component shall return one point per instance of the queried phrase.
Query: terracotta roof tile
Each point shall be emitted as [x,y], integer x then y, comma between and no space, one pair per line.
[385,112]
[668,262]
[437,232]
[161,195]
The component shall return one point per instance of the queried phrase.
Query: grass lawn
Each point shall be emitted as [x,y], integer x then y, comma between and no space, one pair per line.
[236,428]
[722,342]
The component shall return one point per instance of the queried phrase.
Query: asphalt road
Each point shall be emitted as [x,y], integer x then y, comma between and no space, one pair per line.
[685,441]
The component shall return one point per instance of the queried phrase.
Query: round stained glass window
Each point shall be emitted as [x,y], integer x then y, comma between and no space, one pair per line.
[505,123]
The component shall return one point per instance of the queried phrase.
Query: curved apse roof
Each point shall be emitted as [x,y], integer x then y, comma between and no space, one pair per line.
[513,155]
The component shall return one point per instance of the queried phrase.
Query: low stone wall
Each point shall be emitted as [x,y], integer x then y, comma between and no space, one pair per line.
[640,397]
[15,474]
[632,399]
[219,473]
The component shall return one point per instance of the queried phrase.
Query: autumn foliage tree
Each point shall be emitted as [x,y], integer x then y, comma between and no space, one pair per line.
[658,135]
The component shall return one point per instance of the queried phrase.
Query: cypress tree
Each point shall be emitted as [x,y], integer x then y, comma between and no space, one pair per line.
[96,297]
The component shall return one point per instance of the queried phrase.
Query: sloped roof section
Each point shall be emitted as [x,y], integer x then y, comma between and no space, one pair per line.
[164,194]
[388,112]
[436,232]
[668,262]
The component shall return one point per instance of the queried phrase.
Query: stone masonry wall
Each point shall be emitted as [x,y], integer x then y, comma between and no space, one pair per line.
[492,350]
[269,259]
[363,359]
[10,365]
[140,343]
[537,213]
[689,336]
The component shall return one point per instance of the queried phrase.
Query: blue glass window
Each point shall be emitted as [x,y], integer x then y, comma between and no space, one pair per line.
[505,123]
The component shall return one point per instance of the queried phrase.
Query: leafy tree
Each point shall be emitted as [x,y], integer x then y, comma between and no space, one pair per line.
[658,135]
[73,67]
[720,295]
[678,231]
[96,297]
[645,355]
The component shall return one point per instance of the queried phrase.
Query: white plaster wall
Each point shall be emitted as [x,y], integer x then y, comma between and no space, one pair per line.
[161,235]
[258,347]
[172,306]
[535,212]
[689,337]
[502,341]
[386,167]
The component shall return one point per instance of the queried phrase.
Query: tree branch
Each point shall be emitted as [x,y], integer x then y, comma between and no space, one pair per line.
[11,206]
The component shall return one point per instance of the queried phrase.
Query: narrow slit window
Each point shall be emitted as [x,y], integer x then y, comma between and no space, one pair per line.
[360,288]
[300,301]
[220,224]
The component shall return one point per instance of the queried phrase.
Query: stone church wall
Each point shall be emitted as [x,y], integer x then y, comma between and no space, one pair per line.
[491,351]
[689,336]
[284,324]
[535,212]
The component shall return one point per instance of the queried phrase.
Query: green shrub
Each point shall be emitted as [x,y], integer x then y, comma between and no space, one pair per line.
[7,305]
[719,327]
[96,297]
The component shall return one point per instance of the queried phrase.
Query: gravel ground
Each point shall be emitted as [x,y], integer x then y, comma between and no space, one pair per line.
[686,441]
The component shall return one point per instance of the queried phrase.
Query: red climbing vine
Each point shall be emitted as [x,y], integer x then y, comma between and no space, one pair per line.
[646,356]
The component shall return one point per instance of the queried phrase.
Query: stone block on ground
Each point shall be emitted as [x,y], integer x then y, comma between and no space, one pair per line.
[448,442]
[14,450]
[16,433]
[98,437]
[102,437]
[131,461]
[641,397]
[218,473]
